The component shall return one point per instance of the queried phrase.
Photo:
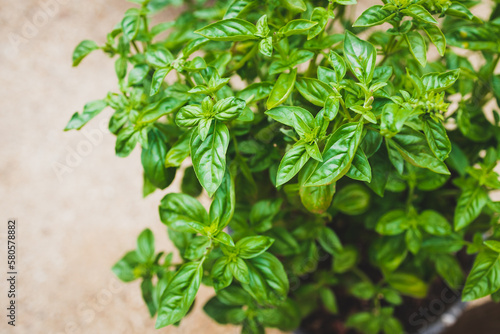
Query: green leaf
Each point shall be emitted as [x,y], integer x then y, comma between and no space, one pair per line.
[194,46]
[329,300]
[360,167]
[157,80]
[137,74]
[179,151]
[153,160]
[251,247]
[338,65]
[268,281]
[229,30]
[263,213]
[255,92]
[361,57]
[448,267]
[282,89]
[292,162]
[262,27]
[352,199]
[126,141]
[459,10]
[437,37]
[329,240]
[154,111]
[317,199]
[179,294]
[222,313]
[413,238]
[417,46]
[393,222]
[182,213]
[209,156]
[345,260]
[438,82]
[469,206]
[146,246]
[434,223]
[420,13]
[437,138]
[320,16]
[83,50]
[313,90]
[221,275]
[124,269]
[90,110]
[229,108]
[484,277]
[189,116]
[159,57]
[222,207]
[408,284]
[337,156]
[494,245]
[412,145]
[284,116]
[373,16]
[224,238]
[147,290]
[297,27]
[131,23]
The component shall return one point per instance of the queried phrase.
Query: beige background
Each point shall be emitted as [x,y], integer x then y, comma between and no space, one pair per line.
[77,212]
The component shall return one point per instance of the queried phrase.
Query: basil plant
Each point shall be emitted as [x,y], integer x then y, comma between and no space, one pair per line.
[349,161]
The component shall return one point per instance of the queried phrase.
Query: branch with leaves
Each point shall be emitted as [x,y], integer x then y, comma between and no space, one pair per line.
[335,164]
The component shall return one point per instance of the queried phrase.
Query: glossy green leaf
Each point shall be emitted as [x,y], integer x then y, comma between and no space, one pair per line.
[412,145]
[320,16]
[297,27]
[338,154]
[408,284]
[179,294]
[434,223]
[282,89]
[420,13]
[209,156]
[153,160]
[83,50]
[90,110]
[292,162]
[417,46]
[469,206]
[437,138]
[393,222]
[437,37]
[484,277]
[314,90]
[438,82]
[361,57]
[232,30]
[251,247]
[373,16]
[182,212]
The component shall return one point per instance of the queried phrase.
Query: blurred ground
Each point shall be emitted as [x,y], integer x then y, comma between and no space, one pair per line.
[79,208]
